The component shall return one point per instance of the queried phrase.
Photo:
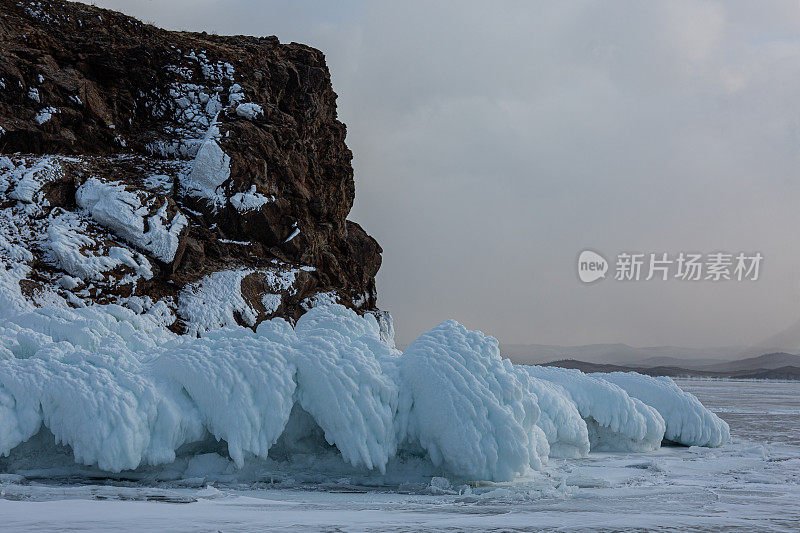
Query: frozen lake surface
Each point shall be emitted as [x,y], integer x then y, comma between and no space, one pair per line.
[752,483]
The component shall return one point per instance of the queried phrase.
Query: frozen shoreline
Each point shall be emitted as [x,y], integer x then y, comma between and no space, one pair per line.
[741,485]
[446,410]
[614,491]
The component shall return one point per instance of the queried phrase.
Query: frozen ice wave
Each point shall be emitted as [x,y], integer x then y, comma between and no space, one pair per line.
[615,420]
[123,391]
[566,432]
[244,399]
[343,386]
[466,406]
[687,421]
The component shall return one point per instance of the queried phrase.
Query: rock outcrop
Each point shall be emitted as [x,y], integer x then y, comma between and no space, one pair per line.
[204,178]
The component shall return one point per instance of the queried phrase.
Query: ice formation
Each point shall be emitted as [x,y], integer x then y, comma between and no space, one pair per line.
[687,421]
[466,406]
[124,392]
[72,248]
[615,420]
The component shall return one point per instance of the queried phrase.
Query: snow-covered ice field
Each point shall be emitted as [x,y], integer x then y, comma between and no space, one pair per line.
[751,483]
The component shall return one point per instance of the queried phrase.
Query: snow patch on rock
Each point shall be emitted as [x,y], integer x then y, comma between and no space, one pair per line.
[321,298]
[123,212]
[283,278]
[210,169]
[45,114]
[27,178]
[251,200]
[215,301]
[73,249]
[271,302]
[249,110]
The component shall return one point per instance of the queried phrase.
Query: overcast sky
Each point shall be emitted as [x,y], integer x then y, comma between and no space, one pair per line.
[494,141]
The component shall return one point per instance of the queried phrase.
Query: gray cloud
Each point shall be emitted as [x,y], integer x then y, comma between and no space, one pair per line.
[495,141]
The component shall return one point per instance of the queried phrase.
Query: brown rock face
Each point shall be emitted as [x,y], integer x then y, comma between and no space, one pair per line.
[200,153]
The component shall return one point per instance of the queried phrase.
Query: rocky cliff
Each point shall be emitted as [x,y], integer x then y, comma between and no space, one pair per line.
[201,178]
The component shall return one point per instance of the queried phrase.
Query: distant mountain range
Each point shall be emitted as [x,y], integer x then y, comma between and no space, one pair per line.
[768,366]
[622,354]
[769,361]
[767,354]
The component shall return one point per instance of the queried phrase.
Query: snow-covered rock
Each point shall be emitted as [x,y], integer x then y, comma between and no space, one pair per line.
[27,178]
[321,298]
[168,161]
[215,301]
[73,248]
[45,114]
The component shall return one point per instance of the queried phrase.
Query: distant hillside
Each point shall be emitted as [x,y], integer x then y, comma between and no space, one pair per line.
[622,354]
[769,361]
[783,372]
[699,363]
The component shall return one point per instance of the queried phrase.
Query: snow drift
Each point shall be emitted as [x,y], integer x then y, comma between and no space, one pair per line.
[123,392]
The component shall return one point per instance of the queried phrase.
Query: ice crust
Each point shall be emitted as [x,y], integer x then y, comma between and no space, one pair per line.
[124,392]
